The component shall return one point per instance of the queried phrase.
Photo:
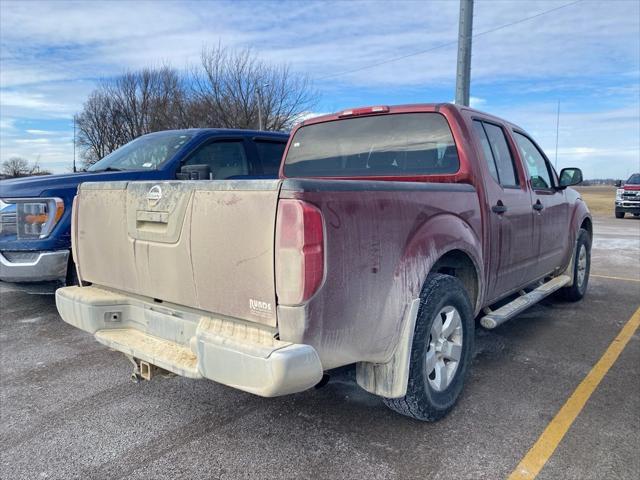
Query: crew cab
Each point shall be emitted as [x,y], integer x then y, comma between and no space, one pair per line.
[389,230]
[35,212]
[628,197]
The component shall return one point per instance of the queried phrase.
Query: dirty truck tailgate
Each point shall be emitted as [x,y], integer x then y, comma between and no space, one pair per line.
[205,245]
[181,277]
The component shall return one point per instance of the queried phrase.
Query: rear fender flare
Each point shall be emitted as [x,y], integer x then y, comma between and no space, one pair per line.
[435,238]
[438,236]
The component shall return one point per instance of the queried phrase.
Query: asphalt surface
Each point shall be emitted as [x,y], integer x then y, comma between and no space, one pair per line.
[69,409]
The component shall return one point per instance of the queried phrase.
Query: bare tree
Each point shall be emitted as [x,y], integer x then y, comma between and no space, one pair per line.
[15,167]
[234,89]
[20,167]
[128,106]
[229,90]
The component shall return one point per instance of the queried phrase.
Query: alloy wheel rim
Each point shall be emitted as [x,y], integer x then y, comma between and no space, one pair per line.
[444,349]
[582,265]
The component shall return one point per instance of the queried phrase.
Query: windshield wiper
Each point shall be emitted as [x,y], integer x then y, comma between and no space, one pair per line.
[108,169]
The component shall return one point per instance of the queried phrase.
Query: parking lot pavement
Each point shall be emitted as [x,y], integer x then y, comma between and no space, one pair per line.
[69,410]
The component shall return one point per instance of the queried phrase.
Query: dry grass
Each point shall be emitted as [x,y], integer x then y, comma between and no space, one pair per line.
[600,199]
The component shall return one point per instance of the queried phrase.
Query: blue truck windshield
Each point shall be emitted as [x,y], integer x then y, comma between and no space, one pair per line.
[143,153]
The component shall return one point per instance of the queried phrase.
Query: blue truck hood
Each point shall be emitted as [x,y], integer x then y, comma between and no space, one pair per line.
[36,186]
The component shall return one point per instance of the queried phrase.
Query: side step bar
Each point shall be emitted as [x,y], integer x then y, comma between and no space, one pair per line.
[497,317]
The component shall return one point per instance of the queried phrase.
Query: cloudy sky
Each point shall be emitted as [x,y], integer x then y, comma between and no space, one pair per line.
[585,55]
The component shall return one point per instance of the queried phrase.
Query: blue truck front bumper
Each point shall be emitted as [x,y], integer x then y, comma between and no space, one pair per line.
[33,266]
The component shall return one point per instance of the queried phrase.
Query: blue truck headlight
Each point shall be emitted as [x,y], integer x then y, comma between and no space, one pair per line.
[34,218]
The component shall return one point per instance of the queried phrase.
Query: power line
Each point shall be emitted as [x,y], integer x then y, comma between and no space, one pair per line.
[447,44]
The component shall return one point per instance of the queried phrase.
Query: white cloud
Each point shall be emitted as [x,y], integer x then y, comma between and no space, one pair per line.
[586,54]
[30,101]
[477,102]
[39,132]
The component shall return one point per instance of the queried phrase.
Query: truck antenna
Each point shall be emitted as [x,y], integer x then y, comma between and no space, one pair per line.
[557,134]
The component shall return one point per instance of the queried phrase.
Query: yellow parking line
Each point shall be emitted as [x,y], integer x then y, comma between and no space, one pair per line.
[547,443]
[617,278]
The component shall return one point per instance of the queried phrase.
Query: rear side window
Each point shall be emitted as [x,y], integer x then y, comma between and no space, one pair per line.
[270,156]
[501,155]
[486,149]
[394,145]
[535,162]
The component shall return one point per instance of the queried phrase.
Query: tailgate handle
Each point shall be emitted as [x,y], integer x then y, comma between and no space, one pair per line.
[144,216]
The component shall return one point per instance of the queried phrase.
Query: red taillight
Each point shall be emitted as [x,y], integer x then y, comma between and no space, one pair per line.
[299,251]
[364,111]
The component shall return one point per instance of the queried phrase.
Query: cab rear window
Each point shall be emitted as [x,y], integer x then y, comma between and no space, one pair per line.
[384,145]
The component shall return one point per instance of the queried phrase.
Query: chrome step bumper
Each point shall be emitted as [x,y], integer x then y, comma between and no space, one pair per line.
[228,351]
[498,317]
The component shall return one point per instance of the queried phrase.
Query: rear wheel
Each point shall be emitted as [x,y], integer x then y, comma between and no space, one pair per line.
[441,350]
[581,268]
[619,214]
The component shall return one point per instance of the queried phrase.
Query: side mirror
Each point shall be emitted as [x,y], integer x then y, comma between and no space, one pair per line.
[618,183]
[570,176]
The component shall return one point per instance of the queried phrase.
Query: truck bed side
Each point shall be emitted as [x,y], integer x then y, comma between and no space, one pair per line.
[381,240]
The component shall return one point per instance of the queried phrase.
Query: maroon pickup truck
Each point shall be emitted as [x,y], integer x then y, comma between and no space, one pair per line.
[389,231]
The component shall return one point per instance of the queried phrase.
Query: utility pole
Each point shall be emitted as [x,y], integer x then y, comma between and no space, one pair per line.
[259,110]
[74,144]
[260,104]
[463,76]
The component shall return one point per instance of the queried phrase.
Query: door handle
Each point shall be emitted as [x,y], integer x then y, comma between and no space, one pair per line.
[538,206]
[499,208]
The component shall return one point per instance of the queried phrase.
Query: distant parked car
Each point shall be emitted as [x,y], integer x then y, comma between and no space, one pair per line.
[628,196]
[35,212]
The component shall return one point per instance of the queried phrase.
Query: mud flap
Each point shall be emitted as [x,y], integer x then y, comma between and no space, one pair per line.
[390,379]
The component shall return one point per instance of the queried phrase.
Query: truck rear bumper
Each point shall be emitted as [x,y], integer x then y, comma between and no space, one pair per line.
[228,351]
[33,266]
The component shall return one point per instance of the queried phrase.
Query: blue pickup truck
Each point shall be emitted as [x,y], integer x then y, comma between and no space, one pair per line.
[35,212]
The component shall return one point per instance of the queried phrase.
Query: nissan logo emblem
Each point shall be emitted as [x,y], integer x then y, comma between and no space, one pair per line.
[155,194]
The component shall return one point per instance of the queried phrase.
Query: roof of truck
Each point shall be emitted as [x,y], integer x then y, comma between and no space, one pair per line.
[226,131]
[406,108]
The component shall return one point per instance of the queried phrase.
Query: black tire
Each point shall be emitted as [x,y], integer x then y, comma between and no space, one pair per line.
[576,291]
[619,214]
[421,401]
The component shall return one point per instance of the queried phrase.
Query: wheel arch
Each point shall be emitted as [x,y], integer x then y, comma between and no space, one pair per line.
[587,224]
[461,265]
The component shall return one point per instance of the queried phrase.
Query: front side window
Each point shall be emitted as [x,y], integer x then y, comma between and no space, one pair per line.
[270,156]
[384,145]
[534,161]
[144,153]
[225,159]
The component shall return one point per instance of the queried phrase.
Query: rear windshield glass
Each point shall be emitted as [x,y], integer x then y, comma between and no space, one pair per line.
[396,144]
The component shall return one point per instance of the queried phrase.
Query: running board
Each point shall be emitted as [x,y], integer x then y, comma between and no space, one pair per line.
[525,300]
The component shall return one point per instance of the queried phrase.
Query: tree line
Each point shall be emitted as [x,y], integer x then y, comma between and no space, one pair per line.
[21,167]
[228,89]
